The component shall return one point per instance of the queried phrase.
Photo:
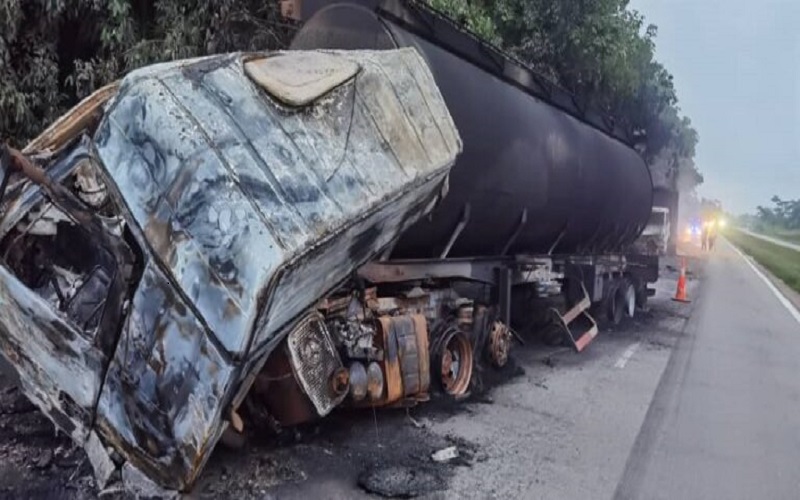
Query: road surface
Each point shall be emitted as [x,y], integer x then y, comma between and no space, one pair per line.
[689,401]
[725,419]
[777,241]
[562,426]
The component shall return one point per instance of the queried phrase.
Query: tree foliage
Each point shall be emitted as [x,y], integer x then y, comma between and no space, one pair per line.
[54,52]
[602,52]
[783,214]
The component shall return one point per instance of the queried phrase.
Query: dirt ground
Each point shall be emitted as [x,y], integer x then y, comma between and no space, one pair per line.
[557,425]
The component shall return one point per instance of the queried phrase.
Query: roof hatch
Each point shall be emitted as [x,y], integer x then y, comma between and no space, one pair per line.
[300,78]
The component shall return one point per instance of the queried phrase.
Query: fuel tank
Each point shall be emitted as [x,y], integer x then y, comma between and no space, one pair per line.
[538,173]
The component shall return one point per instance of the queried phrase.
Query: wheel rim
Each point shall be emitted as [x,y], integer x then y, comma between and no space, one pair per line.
[499,344]
[630,300]
[455,363]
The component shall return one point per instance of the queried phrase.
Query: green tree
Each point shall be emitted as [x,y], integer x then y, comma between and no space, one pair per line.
[472,15]
[604,54]
[784,214]
[54,52]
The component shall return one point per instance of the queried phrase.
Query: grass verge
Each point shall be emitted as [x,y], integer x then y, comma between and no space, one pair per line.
[783,262]
[790,236]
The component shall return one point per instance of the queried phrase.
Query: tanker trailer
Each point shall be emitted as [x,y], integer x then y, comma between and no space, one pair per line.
[542,205]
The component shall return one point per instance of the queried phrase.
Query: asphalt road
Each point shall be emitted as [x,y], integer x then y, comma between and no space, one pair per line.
[562,429]
[777,241]
[725,419]
[561,426]
[695,401]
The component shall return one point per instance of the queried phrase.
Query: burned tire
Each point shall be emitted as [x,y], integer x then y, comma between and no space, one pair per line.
[233,439]
[621,301]
[615,303]
[553,335]
[641,295]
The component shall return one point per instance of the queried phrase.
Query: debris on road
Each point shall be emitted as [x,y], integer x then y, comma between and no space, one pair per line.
[44,459]
[135,482]
[397,481]
[445,454]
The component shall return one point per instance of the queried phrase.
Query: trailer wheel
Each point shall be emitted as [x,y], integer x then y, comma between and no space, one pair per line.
[640,289]
[615,309]
[453,361]
[630,298]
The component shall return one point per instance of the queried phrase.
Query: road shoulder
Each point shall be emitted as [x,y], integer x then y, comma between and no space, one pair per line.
[790,294]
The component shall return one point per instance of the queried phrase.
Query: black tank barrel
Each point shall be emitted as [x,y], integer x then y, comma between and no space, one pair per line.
[537,174]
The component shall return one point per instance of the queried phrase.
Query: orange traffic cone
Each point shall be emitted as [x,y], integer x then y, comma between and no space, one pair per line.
[680,293]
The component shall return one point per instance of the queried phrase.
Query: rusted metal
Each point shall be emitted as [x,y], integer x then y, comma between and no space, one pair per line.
[340,382]
[405,368]
[499,344]
[278,389]
[454,360]
[304,378]
[225,208]
[423,354]
[387,341]
[83,116]
[333,306]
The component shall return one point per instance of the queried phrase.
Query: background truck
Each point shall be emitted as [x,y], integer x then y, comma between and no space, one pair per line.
[657,234]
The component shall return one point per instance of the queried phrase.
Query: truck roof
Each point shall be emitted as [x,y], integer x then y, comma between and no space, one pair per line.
[232,186]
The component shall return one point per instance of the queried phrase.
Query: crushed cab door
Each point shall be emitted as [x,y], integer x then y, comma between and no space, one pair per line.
[65,273]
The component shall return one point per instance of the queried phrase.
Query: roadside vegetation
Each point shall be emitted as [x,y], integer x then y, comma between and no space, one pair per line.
[53,53]
[785,235]
[603,52]
[782,262]
[780,220]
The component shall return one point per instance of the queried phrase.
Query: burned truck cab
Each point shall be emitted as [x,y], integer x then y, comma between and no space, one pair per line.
[161,240]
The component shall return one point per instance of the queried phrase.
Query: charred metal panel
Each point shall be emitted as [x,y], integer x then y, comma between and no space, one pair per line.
[246,212]
[21,196]
[59,367]
[197,220]
[229,186]
[359,243]
[166,386]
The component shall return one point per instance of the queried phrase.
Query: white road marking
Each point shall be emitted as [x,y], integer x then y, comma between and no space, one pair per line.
[783,300]
[626,356]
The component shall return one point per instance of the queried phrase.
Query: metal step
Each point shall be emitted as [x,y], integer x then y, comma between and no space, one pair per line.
[578,325]
[576,311]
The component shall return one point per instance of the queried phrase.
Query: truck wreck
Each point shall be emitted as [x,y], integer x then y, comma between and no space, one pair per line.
[215,246]
[169,249]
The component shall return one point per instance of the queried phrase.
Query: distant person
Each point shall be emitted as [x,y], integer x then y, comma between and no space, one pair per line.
[704,238]
[712,238]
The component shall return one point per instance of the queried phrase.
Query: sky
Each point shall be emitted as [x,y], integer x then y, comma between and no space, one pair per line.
[736,65]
